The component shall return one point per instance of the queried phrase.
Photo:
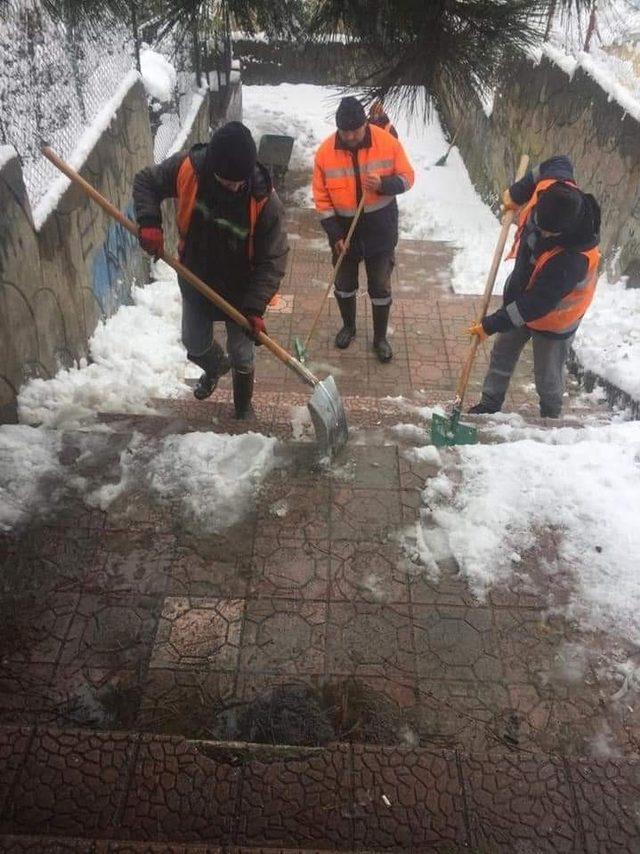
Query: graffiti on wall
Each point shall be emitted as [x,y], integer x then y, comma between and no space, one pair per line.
[115,266]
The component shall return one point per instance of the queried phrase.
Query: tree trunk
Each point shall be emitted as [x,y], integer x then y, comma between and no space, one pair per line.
[196,53]
[552,12]
[136,33]
[590,28]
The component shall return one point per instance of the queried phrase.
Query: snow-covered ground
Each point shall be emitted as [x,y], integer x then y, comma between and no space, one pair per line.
[490,504]
[608,341]
[210,479]
[442,205]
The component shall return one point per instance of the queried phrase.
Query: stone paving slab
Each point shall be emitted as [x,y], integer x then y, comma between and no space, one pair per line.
[122,787]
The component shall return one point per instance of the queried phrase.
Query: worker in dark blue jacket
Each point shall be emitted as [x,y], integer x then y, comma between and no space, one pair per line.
[552,284]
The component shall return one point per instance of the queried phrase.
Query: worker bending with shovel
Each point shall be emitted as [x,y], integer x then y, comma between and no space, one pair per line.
[359,171]
[550,288]
[232,236]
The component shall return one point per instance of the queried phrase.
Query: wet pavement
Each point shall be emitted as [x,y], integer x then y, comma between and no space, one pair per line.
[361,704]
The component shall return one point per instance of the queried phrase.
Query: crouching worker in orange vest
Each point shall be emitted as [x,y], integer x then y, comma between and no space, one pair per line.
[232,235]
[551,286]
[361,159]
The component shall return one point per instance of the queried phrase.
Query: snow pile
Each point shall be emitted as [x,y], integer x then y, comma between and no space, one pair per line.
[583,485]
[28,460]
[211,477]
[136,355]
[158,75]
[442,205]
[608,340]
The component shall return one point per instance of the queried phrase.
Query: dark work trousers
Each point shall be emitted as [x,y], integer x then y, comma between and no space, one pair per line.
[198,337]
[549,360]
[379,269]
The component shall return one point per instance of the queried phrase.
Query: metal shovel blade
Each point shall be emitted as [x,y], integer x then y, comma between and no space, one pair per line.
[328,416]
[446,432]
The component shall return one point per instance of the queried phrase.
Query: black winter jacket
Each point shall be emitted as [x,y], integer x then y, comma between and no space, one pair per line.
[216,244]
[561,274]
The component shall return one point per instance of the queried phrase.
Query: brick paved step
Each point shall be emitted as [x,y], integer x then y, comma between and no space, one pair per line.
[284,415]
[13,844]
[127,787]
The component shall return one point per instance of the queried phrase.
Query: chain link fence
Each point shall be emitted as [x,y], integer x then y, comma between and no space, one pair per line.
[54,79]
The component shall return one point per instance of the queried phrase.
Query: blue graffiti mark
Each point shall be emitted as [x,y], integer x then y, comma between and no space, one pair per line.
[111,272]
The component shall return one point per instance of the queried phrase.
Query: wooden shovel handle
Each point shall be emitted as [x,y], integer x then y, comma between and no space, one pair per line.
[278,351]
[336,269]
[488,288]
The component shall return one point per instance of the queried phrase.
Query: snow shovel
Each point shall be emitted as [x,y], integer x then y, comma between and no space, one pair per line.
[300,349]
[325,405]
[442,161]
[448,431]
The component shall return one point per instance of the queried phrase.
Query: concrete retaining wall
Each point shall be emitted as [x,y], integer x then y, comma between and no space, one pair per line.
[540,111]
[58,282]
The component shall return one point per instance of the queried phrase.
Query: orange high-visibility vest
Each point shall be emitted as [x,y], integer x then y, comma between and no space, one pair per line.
[566,316]
[187,190]
[525,210]
[334,175]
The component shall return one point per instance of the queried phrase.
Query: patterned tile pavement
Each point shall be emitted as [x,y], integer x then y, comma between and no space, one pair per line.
[417,718]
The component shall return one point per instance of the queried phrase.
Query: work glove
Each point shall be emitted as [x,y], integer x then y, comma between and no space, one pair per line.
[478,329]
[151,239]
[507,202]
[257,326]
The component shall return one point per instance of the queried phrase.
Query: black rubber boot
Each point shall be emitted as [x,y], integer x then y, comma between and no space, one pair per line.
[242,393]
[215,364]
[205,387]
[348,313]
[380,322]
[484,409]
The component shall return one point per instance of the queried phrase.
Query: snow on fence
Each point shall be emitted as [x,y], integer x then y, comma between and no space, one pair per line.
[53,81]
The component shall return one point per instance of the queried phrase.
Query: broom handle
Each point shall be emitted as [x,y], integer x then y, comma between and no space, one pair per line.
[488,289]
[336,269]
[278,351]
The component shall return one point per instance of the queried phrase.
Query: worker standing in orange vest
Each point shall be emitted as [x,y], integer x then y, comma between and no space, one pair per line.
[232,235]
[551,286]
[361,159]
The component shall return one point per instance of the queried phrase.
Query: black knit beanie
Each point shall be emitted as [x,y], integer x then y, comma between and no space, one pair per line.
[350,114]
[232,152]
[559,209]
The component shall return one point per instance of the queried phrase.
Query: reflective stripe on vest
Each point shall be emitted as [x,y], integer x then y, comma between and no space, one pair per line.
[566,316]
[525,211]
[187,191]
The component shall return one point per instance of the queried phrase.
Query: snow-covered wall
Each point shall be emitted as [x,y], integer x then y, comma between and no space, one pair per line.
[75,265]
[544,109]
[58,281]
